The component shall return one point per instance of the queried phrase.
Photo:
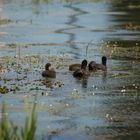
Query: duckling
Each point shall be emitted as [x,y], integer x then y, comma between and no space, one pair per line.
[103,65]
[94,66]
[83,71]
[75,67]
[50,73]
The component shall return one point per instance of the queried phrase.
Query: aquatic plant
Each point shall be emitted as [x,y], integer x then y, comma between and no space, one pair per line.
[10,131]
[86,51]
[28,132]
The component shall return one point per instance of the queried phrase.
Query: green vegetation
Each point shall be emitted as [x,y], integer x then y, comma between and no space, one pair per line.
[10,131]
[86,51]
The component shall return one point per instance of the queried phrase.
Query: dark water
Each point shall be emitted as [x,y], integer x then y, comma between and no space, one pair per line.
[106,105]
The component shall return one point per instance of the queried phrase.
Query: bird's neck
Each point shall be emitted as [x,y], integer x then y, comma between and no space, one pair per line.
[104,63]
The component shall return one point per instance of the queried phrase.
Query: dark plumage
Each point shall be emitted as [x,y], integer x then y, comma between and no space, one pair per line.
[103,65]
[93,66]
[75,67]
[48,73]
[83,71]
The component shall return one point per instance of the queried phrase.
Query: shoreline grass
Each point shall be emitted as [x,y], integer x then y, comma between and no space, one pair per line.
[10,131]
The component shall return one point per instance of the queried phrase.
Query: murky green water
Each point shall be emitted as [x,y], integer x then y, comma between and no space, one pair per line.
[106,105]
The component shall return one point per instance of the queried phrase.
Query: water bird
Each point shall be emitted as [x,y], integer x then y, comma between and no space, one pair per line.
[82,71]
[77,66]
[93,66]
[49,72]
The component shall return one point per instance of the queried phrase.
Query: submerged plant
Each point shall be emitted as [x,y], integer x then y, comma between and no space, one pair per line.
[10,131]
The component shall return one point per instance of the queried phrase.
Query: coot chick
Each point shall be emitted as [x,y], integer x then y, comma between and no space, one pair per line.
[103,65]
[83,71]
[48,73]
[75,67]
[93,66]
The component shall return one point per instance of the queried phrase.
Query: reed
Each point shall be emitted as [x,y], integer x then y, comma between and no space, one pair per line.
[10,131]
[86,50]
[28,131]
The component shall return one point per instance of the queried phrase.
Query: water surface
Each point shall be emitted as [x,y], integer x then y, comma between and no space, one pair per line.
[104,106]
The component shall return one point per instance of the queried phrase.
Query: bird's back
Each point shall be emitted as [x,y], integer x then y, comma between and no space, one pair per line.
[74,67]
[49,73]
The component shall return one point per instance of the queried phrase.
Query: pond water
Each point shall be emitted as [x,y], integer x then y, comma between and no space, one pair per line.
[104,106]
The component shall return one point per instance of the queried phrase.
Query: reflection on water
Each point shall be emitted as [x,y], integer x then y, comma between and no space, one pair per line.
[104,106]
[72,23]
